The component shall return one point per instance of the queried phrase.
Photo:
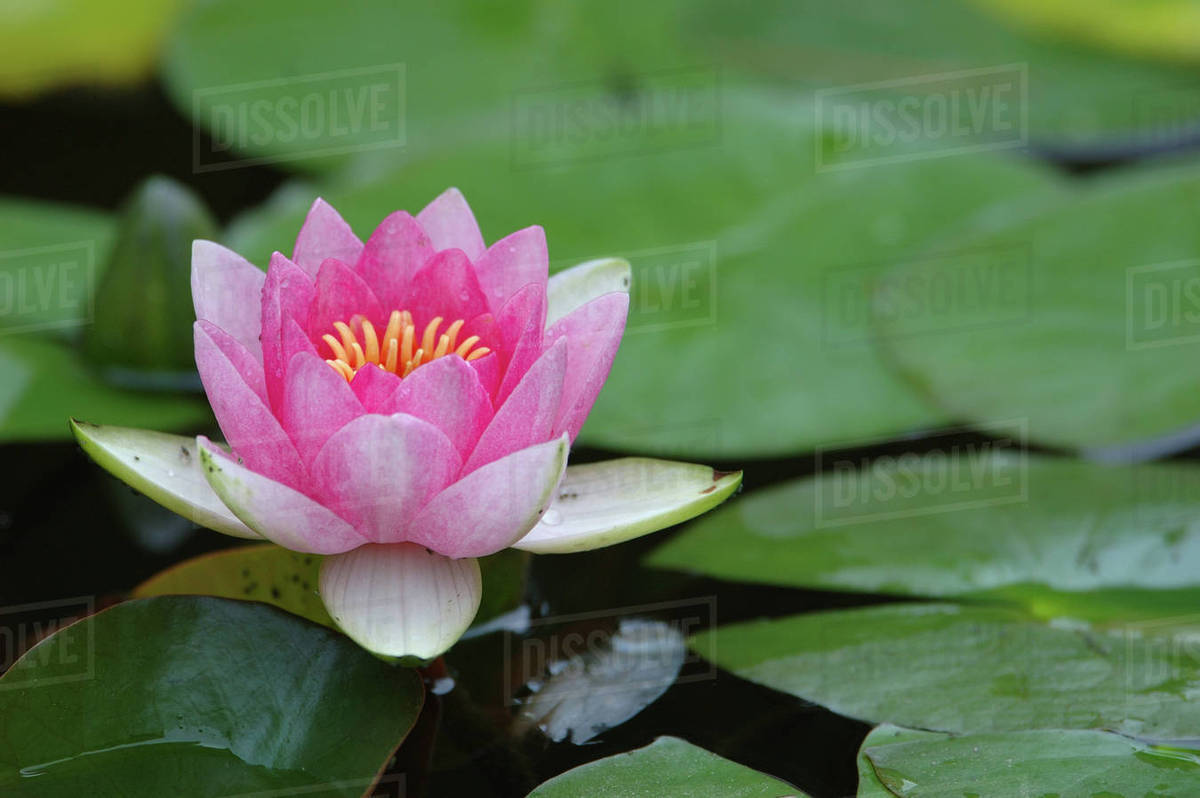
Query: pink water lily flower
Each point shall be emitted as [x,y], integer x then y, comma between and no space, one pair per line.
[403,406]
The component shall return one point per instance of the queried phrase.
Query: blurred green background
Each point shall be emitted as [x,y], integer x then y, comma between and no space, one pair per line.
[730,153]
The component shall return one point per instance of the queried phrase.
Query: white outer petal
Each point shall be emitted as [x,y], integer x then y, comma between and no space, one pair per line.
[400,599]
[600,504]
[580,284]
[165,468]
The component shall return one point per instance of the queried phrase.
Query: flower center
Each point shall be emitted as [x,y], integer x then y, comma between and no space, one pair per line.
[398,351]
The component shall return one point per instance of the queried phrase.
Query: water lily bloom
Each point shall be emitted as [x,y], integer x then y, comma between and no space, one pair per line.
[403,406]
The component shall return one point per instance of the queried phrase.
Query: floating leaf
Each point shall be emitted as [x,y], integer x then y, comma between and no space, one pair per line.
[956,668]
[1042,763]
[200,696]
[869,785]
[965,519]
[1077,97]
[265,572]
[667,768]
[470,72]
[1091,336]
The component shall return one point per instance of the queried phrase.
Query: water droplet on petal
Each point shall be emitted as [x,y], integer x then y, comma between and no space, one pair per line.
[552,517]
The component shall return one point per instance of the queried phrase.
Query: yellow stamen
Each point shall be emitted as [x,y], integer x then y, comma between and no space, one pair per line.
[466,346]
[341,368]
[430,332]
[452,332]
[400,350]
[416,361]
[406,344]
[338,352]
[372,347]
[392,351]
[347,334]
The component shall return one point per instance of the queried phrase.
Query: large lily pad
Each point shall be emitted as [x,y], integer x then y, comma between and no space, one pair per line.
[1098,347]
[265,572]
[1030,763]
[466,67]
[195,696]
[869,785]
[749,267]
[959,520]
[667,768]
[952,668]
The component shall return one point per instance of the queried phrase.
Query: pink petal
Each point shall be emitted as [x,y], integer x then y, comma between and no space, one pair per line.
[317,402]
[447,394]
[512,263]
[378,471]
[495,505]
[392,255]
[286,294]
[522,323]
[225,290]
[375,388]
[593,333]
[487,371]
[451,225]
[274,510]
[446,287]
[529,414]
[295,340]
[243,362]
[340,294]
[244,417]
[324,235]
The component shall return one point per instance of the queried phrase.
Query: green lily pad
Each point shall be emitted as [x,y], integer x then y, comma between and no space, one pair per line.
[747,265]
[264,572]
[45,384]
[945,667]
[869,785]
[963,520]
[469,72]
[667,768]
[1077,96]
[1097,345]
[1042,763]
[391,79]
[196,696]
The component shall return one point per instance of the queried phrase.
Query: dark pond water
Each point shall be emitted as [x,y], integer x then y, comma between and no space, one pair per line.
[69,530]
